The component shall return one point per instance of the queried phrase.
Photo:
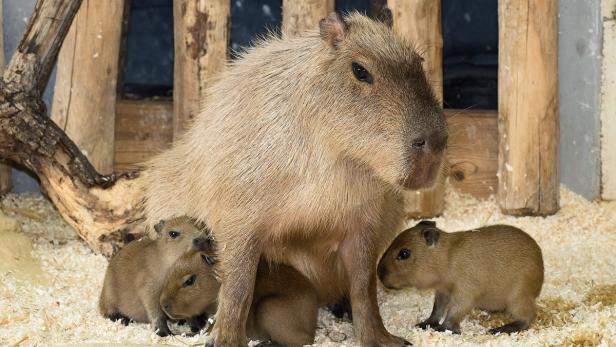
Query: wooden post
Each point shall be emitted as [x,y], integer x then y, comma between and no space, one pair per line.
[85,91]
[5,170]
[301,15]
[201,34]
[419,21]
[528,107]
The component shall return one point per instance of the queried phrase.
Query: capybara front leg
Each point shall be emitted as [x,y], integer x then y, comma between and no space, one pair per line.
[238,269]
[359,259]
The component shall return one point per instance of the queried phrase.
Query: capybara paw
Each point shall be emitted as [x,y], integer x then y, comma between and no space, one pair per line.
[510,328]
[390,341]
[443,328]
[269,343]
[427,324]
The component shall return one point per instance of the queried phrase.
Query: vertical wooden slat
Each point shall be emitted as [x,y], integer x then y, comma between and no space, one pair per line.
[85,92]
[419,21]
[5,170]
[301,15]
[201,33]
[528,107]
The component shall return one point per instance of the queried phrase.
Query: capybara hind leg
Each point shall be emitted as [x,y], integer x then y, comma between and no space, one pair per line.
[289,320]
[441,300]
[238,264]
[359,259]
[523,311]
[459,306]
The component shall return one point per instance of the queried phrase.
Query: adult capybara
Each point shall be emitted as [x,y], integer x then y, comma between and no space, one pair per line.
[495,268]
[300,156]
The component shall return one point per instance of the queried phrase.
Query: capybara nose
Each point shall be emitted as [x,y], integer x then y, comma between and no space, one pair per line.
[381,271]
[199,244]
[435,142]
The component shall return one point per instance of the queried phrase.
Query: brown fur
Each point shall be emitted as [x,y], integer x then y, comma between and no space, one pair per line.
[297,161]
[135,274]
[494,268]
[284,307]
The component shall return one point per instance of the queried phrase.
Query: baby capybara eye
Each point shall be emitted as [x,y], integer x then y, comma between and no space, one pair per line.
[403,254]
[174,234]
[189,281]
[361,73]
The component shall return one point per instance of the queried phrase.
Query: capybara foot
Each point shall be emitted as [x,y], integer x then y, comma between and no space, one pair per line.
[162,329]
[510,328]
[119,317]
[341,307]
[443,328]
[269,343]
[197,323]
[389,341]
[427,324]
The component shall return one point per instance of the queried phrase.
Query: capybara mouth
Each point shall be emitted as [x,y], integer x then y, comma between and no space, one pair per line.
[423,175]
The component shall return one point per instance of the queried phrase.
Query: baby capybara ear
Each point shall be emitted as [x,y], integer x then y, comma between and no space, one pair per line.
[333,29]
[385,16]
[431,235]
[159,226]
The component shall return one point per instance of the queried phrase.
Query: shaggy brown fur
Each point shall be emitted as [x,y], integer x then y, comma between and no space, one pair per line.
[135,275]
[300,157]
[495,268]
[284,307]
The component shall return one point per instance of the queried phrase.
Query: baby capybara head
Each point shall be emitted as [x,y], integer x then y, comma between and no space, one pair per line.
[387,116]
[191,286]
[180,234]
[412,260]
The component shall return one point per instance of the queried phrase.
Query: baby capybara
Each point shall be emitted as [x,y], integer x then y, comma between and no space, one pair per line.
[284,307]
[494,268]
[300,157]
[135,275]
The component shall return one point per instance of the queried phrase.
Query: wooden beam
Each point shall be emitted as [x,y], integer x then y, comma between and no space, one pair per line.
[5,170]
[143,129]
[528,107]
[201,34]
[85,91]
[608,102]
[472,151]
[419,21]
[301,15]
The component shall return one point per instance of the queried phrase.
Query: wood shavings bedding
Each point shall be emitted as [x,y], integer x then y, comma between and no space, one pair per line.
[577,306]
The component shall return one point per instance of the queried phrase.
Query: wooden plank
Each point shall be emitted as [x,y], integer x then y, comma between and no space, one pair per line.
[528,107]
[419,21]
[301,15]
[201,34]
[5,170]
[143,129]
[472,151]
[85,92]
[608,102]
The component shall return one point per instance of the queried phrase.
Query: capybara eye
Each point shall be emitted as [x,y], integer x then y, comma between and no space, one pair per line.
[174,234]
[361,73]
[189,281]
[404,254]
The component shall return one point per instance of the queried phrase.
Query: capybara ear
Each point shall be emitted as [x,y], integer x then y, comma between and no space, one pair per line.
[159,226]
[385,16]
[431,235]
[428,223]
[333,29]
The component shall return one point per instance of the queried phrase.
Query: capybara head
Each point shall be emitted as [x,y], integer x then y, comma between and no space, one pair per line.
[191,286]
[412,260]
[388,117]
[179,235]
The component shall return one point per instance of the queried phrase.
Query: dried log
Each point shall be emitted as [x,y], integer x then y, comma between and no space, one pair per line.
[104,209]
[5,170]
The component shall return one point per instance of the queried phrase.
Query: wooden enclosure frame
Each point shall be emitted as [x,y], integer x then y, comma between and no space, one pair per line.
[512,152]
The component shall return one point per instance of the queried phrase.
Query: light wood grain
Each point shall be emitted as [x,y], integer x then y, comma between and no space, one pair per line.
[143,129]
[419,21]
[5,170]
[201,34]
[608,103]
[85,92]
[301,15]
[528,107]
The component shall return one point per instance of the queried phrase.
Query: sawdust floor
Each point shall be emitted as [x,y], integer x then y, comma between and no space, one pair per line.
[50,282]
